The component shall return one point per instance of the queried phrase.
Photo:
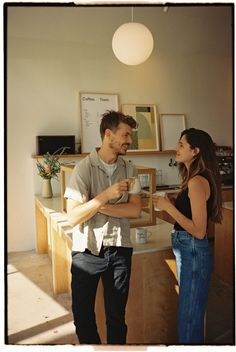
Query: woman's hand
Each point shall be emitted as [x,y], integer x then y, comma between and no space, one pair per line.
[162,203]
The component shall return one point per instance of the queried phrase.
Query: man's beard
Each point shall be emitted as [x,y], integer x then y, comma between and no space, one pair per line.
[117,151]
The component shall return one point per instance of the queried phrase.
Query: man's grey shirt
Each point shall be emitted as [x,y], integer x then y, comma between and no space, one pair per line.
[88,179]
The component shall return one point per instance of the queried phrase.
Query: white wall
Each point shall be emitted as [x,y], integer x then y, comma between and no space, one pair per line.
[53,53]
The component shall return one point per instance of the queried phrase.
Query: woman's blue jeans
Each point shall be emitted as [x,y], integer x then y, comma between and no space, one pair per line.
[113,266]
[194,265]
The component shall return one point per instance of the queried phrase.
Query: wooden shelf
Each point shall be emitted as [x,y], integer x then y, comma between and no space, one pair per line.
[64,156]
[152,152]
[130,153]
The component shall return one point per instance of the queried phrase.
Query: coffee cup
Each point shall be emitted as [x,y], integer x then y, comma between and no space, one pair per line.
[158,194]
[134,186]
[142,235]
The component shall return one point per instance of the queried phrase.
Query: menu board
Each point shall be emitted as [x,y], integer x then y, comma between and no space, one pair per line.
[92,107]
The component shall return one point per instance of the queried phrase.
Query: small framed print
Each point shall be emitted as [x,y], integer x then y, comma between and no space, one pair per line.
[171,127]
[146,136]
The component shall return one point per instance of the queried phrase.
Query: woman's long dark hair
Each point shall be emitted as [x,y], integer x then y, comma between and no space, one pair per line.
[204,162]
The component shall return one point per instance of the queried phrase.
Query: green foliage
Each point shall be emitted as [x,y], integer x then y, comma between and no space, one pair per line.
[51,164]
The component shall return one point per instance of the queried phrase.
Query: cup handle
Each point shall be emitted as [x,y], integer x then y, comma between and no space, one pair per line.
[149,234]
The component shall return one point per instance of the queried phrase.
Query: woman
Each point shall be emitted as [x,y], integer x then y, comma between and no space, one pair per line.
[198,201]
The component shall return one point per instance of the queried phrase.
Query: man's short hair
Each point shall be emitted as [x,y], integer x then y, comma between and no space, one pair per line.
[111,119]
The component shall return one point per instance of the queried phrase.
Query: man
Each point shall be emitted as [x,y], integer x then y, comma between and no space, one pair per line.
[99,208]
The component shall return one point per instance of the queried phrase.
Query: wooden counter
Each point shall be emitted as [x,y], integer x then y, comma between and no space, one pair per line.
[151,307]
[224,245]
[43,209]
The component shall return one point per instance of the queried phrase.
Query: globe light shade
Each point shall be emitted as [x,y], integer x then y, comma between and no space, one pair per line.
[132,43]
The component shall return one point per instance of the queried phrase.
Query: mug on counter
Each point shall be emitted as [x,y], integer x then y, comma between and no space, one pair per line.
[158,194]
[142,235]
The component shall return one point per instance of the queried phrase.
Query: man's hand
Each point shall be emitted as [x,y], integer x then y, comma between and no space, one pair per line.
[117,190]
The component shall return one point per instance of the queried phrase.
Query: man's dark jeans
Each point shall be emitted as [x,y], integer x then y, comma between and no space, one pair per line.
[113,266]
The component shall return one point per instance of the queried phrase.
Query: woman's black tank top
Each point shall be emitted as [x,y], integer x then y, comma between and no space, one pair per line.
[182,203]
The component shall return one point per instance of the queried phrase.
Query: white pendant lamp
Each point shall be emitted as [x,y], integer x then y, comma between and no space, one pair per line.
[132,43]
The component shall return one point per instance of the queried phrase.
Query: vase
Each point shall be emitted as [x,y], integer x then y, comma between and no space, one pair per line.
[47,188]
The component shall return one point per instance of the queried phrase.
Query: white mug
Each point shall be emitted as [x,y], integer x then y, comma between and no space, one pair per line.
[158,194]
[142,234]
[134,186]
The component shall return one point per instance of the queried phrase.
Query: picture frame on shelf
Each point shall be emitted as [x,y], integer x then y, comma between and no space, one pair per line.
[171,126]
[92,106]
[146,136]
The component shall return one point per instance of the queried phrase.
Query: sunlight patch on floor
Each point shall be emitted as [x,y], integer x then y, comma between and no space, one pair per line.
[31,304]
[49,336]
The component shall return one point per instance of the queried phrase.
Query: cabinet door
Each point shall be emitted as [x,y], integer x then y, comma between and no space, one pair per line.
[227,195]
[224,248]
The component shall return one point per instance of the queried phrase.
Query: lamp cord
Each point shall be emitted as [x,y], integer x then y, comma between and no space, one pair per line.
[132,14]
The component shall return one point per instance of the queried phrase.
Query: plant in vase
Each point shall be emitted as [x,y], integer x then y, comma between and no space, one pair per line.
[48,169]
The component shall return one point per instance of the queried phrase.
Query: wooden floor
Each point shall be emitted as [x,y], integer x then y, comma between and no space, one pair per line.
[35,316]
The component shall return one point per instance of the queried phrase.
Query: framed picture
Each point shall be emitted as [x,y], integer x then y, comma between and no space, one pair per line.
[171,127]
[146,136]
[92,107]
